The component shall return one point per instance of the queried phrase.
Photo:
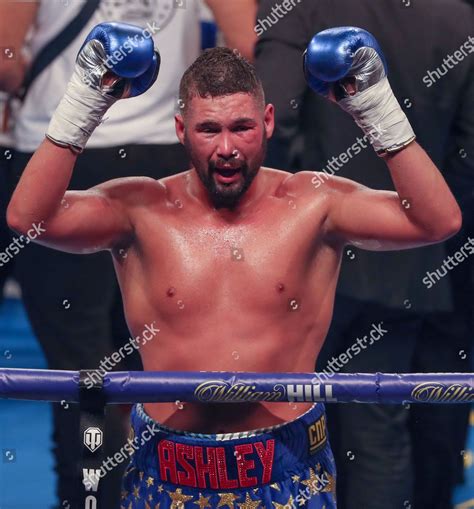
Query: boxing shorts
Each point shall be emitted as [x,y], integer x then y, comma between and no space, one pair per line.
[283,467]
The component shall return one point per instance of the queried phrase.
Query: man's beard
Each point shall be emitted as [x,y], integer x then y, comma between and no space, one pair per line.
[226,195]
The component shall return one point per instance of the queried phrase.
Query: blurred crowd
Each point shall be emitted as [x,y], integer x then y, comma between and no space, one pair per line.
[403,456]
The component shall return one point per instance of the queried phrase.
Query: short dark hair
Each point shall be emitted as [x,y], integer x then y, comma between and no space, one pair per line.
[217,72]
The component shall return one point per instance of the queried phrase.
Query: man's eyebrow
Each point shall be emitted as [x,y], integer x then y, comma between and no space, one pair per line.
[244,120]
[212,124]
[207,124]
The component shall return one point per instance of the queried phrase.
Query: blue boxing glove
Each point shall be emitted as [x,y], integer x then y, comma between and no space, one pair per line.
[116,61]
[346,65]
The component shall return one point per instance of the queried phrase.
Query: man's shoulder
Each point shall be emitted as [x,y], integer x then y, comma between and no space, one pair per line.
[176,179]
[305,183]
[132,190]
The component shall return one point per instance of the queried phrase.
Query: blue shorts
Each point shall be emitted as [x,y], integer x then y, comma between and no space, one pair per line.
[283,467]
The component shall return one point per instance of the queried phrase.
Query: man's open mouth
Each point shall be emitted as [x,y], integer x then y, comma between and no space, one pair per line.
[227,175]
[227,172]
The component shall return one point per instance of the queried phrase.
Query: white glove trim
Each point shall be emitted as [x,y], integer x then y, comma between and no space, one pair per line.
[377,112]
[81,109]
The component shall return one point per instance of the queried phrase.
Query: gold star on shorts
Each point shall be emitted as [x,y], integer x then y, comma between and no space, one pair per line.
[295,478]
[149,481]
[136,493]
[312,482]
[275,486]
[249,503]
[331,485]
[178,498]
[203,502]
[227,499]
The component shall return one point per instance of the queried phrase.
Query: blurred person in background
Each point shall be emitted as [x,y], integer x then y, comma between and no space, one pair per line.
[6,154]
[73,302]
[404,456]
[12,70]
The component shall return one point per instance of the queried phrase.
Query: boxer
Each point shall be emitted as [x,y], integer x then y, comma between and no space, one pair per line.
[235,264]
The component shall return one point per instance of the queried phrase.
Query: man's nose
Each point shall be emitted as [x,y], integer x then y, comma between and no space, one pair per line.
[225,147]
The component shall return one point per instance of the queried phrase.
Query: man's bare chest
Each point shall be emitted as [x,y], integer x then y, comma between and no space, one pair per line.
[193,263]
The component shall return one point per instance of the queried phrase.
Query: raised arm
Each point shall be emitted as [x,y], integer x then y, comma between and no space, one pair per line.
[72,221]
[422,211]
[346,65]
[97,219]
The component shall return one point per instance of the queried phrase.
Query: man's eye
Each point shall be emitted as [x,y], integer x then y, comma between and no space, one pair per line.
[242,128]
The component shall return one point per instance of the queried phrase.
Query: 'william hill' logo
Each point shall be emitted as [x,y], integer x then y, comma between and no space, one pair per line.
[432,392]
[310,392]
[218,390]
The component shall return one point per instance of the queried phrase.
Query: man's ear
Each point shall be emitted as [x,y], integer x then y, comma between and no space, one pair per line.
[179,126]
[269,120]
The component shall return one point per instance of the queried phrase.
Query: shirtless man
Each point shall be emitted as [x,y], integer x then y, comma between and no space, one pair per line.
[236,264]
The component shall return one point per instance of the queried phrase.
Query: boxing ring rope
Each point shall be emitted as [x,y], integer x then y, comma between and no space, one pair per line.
[238,387]
[93,392]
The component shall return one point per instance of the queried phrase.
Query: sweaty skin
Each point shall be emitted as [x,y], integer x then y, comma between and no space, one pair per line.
[250,294]
[243,288]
